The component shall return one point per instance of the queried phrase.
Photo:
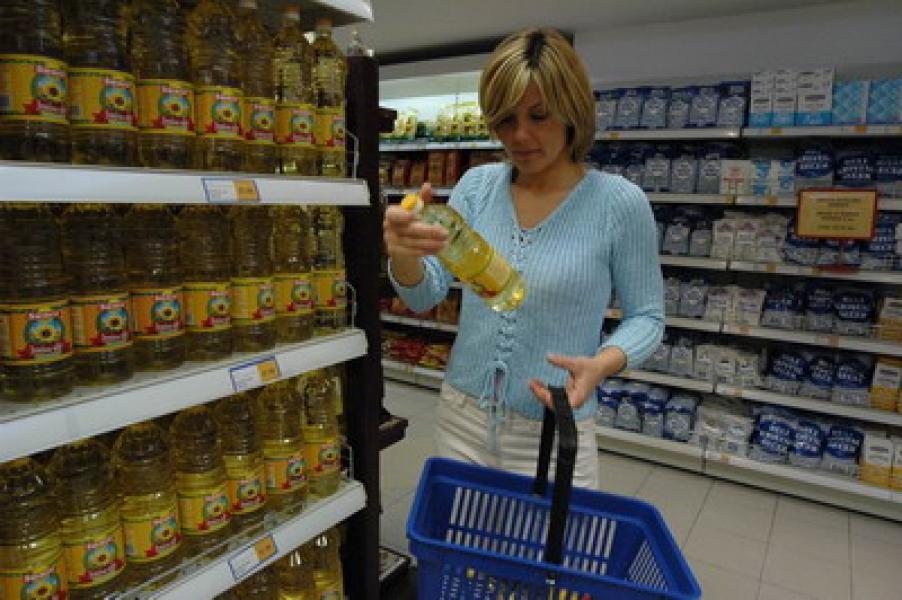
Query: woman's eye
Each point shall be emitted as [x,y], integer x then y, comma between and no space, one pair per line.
[539,117]
[508,120]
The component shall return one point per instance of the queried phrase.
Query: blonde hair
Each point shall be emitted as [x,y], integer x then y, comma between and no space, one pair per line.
[545,57]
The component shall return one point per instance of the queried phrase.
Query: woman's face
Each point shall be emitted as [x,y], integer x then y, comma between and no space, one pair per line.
[534,139]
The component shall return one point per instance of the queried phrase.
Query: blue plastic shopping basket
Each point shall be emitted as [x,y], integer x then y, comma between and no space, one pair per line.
[485,534]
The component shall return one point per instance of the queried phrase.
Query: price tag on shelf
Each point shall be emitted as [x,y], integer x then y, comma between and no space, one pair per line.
[728,390]
[770,268]
[831,341]
[770,200]
[223,189]
[254,374]
[613,135]
[249,558]
[860,128]
[776,131]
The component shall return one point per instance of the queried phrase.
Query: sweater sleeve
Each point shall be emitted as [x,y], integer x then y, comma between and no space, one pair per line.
[636,275]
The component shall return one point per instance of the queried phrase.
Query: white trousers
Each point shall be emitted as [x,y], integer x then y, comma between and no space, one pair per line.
[462,433]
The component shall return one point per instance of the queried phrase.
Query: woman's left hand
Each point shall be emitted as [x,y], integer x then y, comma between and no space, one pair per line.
[584,375]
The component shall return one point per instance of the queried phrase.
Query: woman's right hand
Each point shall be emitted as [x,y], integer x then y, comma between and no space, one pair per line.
[407,236]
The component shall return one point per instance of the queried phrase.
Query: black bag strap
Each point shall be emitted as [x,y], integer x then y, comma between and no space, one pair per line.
[560,419]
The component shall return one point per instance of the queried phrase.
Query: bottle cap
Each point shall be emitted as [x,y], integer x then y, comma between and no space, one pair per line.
[412,203]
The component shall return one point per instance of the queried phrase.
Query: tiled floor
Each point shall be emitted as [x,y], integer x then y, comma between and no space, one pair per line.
[743,543]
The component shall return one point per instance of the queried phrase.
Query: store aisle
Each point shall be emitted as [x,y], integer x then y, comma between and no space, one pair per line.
[743,543]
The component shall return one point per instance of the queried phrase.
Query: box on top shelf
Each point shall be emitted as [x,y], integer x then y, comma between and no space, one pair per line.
[703,110]
[734,97]
[654,109]
[814,103]
[606,108]
[785,98]
[761,99]
[850,102]
[885,101]
[629,108]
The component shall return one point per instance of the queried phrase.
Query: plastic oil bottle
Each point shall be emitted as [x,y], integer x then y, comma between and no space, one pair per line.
[295,301]
[216,74]
[200,480]
[327,575]
[33,124]
[262,585]
[337,373]
[31,550]
[279,414]
[258,113]
[295,575]
[205,259]
[94,259]
[329,277]
[295,104]
[253,296]
[102,101]
[329,74]
[321,442]
[145,483]
[155,281]
[165,94]
[35,317]
[470,258]
[243,457]
[90,520]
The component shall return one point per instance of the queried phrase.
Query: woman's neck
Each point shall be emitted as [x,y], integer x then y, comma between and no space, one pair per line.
[563,174]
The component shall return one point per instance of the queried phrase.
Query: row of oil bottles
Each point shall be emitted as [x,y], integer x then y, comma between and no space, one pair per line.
[99,521]
[88,294]
[151,83]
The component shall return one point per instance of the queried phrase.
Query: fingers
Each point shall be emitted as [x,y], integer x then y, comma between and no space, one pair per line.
[541,392]
[564,362]
[426,192]
[406,235]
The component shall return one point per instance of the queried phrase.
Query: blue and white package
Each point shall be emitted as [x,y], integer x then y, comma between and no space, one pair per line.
[703,110]
[879,252]
[819,308]
[788,370]
[782,308]
[773,437]
[885,102]
[888,174]
[852,383]
[684,171]
[819,377]
[734,98]
[606,109]
[629,108]
[854,310]
[679,414]
[842,450]
[657,170]
[761,177]
[672,289]
[701,239]
[652,411]
[692,299]
[855,169]
[680,106]
[659,361]
[628,415]
[799,251]
[814,167]
[850,102]
[654,109]
[608,395]
[839,252]
[682,357]
[808,443]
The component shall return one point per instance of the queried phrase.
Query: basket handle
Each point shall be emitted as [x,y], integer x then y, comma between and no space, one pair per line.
[561,419]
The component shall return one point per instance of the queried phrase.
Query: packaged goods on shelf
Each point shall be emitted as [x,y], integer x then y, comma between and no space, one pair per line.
[850,102]
[736,177]
[733,105]
[654,108]
[703,109]
[629,108]
[896,471]
[877,460]
[681,100]
[784,98]
[761,99]
[885,101]
[815,97]
[605,109]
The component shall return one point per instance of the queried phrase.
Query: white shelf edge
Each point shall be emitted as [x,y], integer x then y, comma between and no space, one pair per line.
[399,371]
[402,191]
[421,146]
[669,198]
[684,383]
[817,339]
[679,322]
[701,133]
[822,131]
[652,442]
[422,323]
[26,429]
[693,262]
[785,201]
[887,277]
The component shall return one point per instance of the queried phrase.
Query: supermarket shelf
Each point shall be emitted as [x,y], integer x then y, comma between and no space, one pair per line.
[29,428]
[841,342]
[42,182]
[683,383]
[398,191]
[723,133]
[678,322]
[786,201]
[667,198]
[342,12]
[420,146]
[823,131]
[693,262]
[677,454]
[431,378]
[421,323]
[887,277]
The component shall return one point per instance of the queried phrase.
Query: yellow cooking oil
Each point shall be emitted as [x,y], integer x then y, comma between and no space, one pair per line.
[470,258]
[155,283]
[31,550]
[295,102]
[279,424]
[145,482]
[94,259]
[216,75]
[36,353]
[102,104]
[329,276]
[295,300]
[200,481]
[329,75]
[253,295]
[327,573]
[33,121]
[243,458]
[258,112]
[321,441]
[165,93]
[204,250]
[338,373]
[90,524]
[295,575]
[262,585]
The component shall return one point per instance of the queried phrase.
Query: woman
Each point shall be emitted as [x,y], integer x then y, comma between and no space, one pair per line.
[575,235]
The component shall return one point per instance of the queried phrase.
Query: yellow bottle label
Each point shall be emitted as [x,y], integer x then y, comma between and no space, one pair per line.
[258,120]
[42,582]
[323,458]
[100,323]
[330,128]
[157,313]
[208,307]
[33,88]
[152,537]
[166,106]
[285,473]
[245,485]
[35,333]
[294,294]
[491,280]
[96,560]
[331,288]
[101,99]
[253,301]
[218,112]
[294,124]
[204,511]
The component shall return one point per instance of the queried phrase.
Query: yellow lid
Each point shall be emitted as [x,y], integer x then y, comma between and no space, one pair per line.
[412,202]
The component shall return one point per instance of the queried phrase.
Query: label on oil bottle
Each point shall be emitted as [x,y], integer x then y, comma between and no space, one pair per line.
[95,560]
[33,88]
[285,473]
[253,301]
[101,99]
[35,333]
[218,112]
[157,313]
[204,511]
[258,120]
[152,537]
[330,128]
[208,307]
[165,106]
[244,485]
[323,458]
[45,581]
[491,280]
[331,288]
[329,592]
[294,294]
[100,323]
[294,124]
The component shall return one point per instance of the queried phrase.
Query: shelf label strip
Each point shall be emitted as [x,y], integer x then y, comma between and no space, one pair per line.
[248,559]
[254,374]
[223,189]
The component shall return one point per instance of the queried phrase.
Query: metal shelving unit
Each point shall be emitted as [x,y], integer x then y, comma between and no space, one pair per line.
[421,323]
[825,340]
[397,191]
[701,133]
[426,146]
[833,131]
[398,371]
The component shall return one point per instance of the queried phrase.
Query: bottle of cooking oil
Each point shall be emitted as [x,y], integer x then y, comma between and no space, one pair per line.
[262,585]
[295,104]
[35,317]
[216,73]
[204,243]
[101,86]
[337,374]
[94,259]
[145,483]
[295,300]
[323,449]
[279,414]
[253,296]
[33,121]
[165,94]
[470,258]
[295,575]
[330,71]
[329,278]
[327,575]
[258,113]
[31,550]
[155,281]
[200,480]
[243,459]
[90,520]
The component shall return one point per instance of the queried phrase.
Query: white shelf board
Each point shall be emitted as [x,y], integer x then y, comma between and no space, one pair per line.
[785,201]
[436,191]
[678,454]
[679,322]
[693,262]
[431,378]
[683,383]
[425,146]
[823,131]
[887,277]
[710,133]
[668,198]
[33,427]
[422,323]
[47,182]
[841,342]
